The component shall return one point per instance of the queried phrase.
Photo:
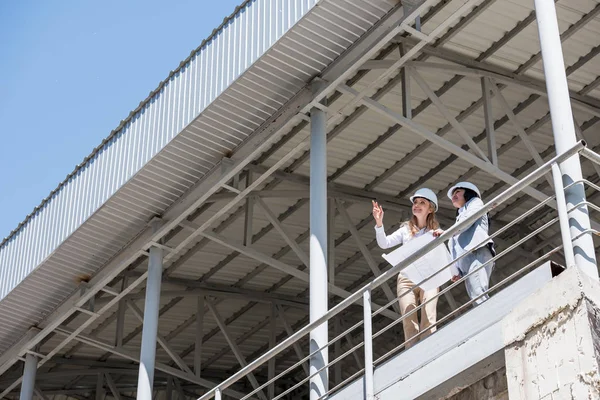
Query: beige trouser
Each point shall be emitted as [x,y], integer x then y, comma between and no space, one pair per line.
[409,300]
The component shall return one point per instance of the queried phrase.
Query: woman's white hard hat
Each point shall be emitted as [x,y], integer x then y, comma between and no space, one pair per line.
[463,185]
[426,194]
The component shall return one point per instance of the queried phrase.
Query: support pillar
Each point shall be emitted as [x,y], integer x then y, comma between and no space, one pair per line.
[29,372]
[552,338]
[150,329]
[563,129]
[318,249]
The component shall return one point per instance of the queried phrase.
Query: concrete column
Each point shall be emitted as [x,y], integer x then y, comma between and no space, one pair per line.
[563,129]
[150,329]
[553,339]
[318,249]
[29,372]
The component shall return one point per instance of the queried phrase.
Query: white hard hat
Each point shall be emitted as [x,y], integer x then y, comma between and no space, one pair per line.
[463,185]
[426,194]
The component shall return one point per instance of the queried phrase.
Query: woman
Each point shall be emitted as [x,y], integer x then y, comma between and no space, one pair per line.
[423,220]
[474,239]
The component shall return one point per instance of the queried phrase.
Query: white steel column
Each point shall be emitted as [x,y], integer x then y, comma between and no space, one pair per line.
[29,372]
[564,131]
[150,329]
[318,249]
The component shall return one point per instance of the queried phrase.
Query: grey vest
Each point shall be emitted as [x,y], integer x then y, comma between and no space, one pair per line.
[469,238]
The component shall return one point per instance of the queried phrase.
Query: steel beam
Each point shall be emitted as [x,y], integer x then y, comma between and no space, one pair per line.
[468,67]
[240,339]
[112,386]
[272,343]
[191,288]
[350,193]
[290,331]
[468,4]
[283,232]
[39,393]
[505,148]
[161,340]
[217,290]
[535,155]
[120,317]
[234,348]
[452,148]
[489,121]
[199,335]
[447,114]
[130,356]
[283,267]
[249,215]
[406,87]
[169,389]
[100,388]
[331,214]
[224,209]
[179,389]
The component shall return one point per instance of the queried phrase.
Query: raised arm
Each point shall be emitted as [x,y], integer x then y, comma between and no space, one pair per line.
[384,241]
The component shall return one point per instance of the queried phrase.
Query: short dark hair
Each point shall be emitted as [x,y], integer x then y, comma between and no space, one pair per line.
[469,194]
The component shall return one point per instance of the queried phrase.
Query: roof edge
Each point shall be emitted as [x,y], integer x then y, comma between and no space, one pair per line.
[123,123]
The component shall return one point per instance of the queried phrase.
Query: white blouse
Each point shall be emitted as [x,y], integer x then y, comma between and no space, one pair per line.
[401,236]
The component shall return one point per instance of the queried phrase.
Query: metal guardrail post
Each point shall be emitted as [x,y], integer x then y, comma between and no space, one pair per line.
[368,345]
[563,216]
[218,394]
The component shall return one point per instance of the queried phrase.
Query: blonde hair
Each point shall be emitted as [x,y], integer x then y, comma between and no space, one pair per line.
[430,224]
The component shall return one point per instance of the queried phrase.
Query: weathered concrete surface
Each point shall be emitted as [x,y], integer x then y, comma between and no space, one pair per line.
[492,387]
[552,341]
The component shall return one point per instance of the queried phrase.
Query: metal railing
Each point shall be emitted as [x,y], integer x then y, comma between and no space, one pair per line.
[363,294]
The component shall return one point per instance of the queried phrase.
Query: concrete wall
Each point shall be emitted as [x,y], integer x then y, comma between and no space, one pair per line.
[553,341]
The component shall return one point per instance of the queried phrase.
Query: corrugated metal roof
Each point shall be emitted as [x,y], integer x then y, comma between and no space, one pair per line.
[197,82]
[87,208]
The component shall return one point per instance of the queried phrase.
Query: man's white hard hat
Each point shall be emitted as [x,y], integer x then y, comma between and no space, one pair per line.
[426,194]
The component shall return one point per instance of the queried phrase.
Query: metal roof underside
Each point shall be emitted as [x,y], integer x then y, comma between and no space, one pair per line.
[368,156]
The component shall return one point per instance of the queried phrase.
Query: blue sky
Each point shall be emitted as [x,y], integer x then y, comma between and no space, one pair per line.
[71,70]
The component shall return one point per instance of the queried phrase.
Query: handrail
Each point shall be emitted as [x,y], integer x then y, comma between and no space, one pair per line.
[358,294]
[591,155]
